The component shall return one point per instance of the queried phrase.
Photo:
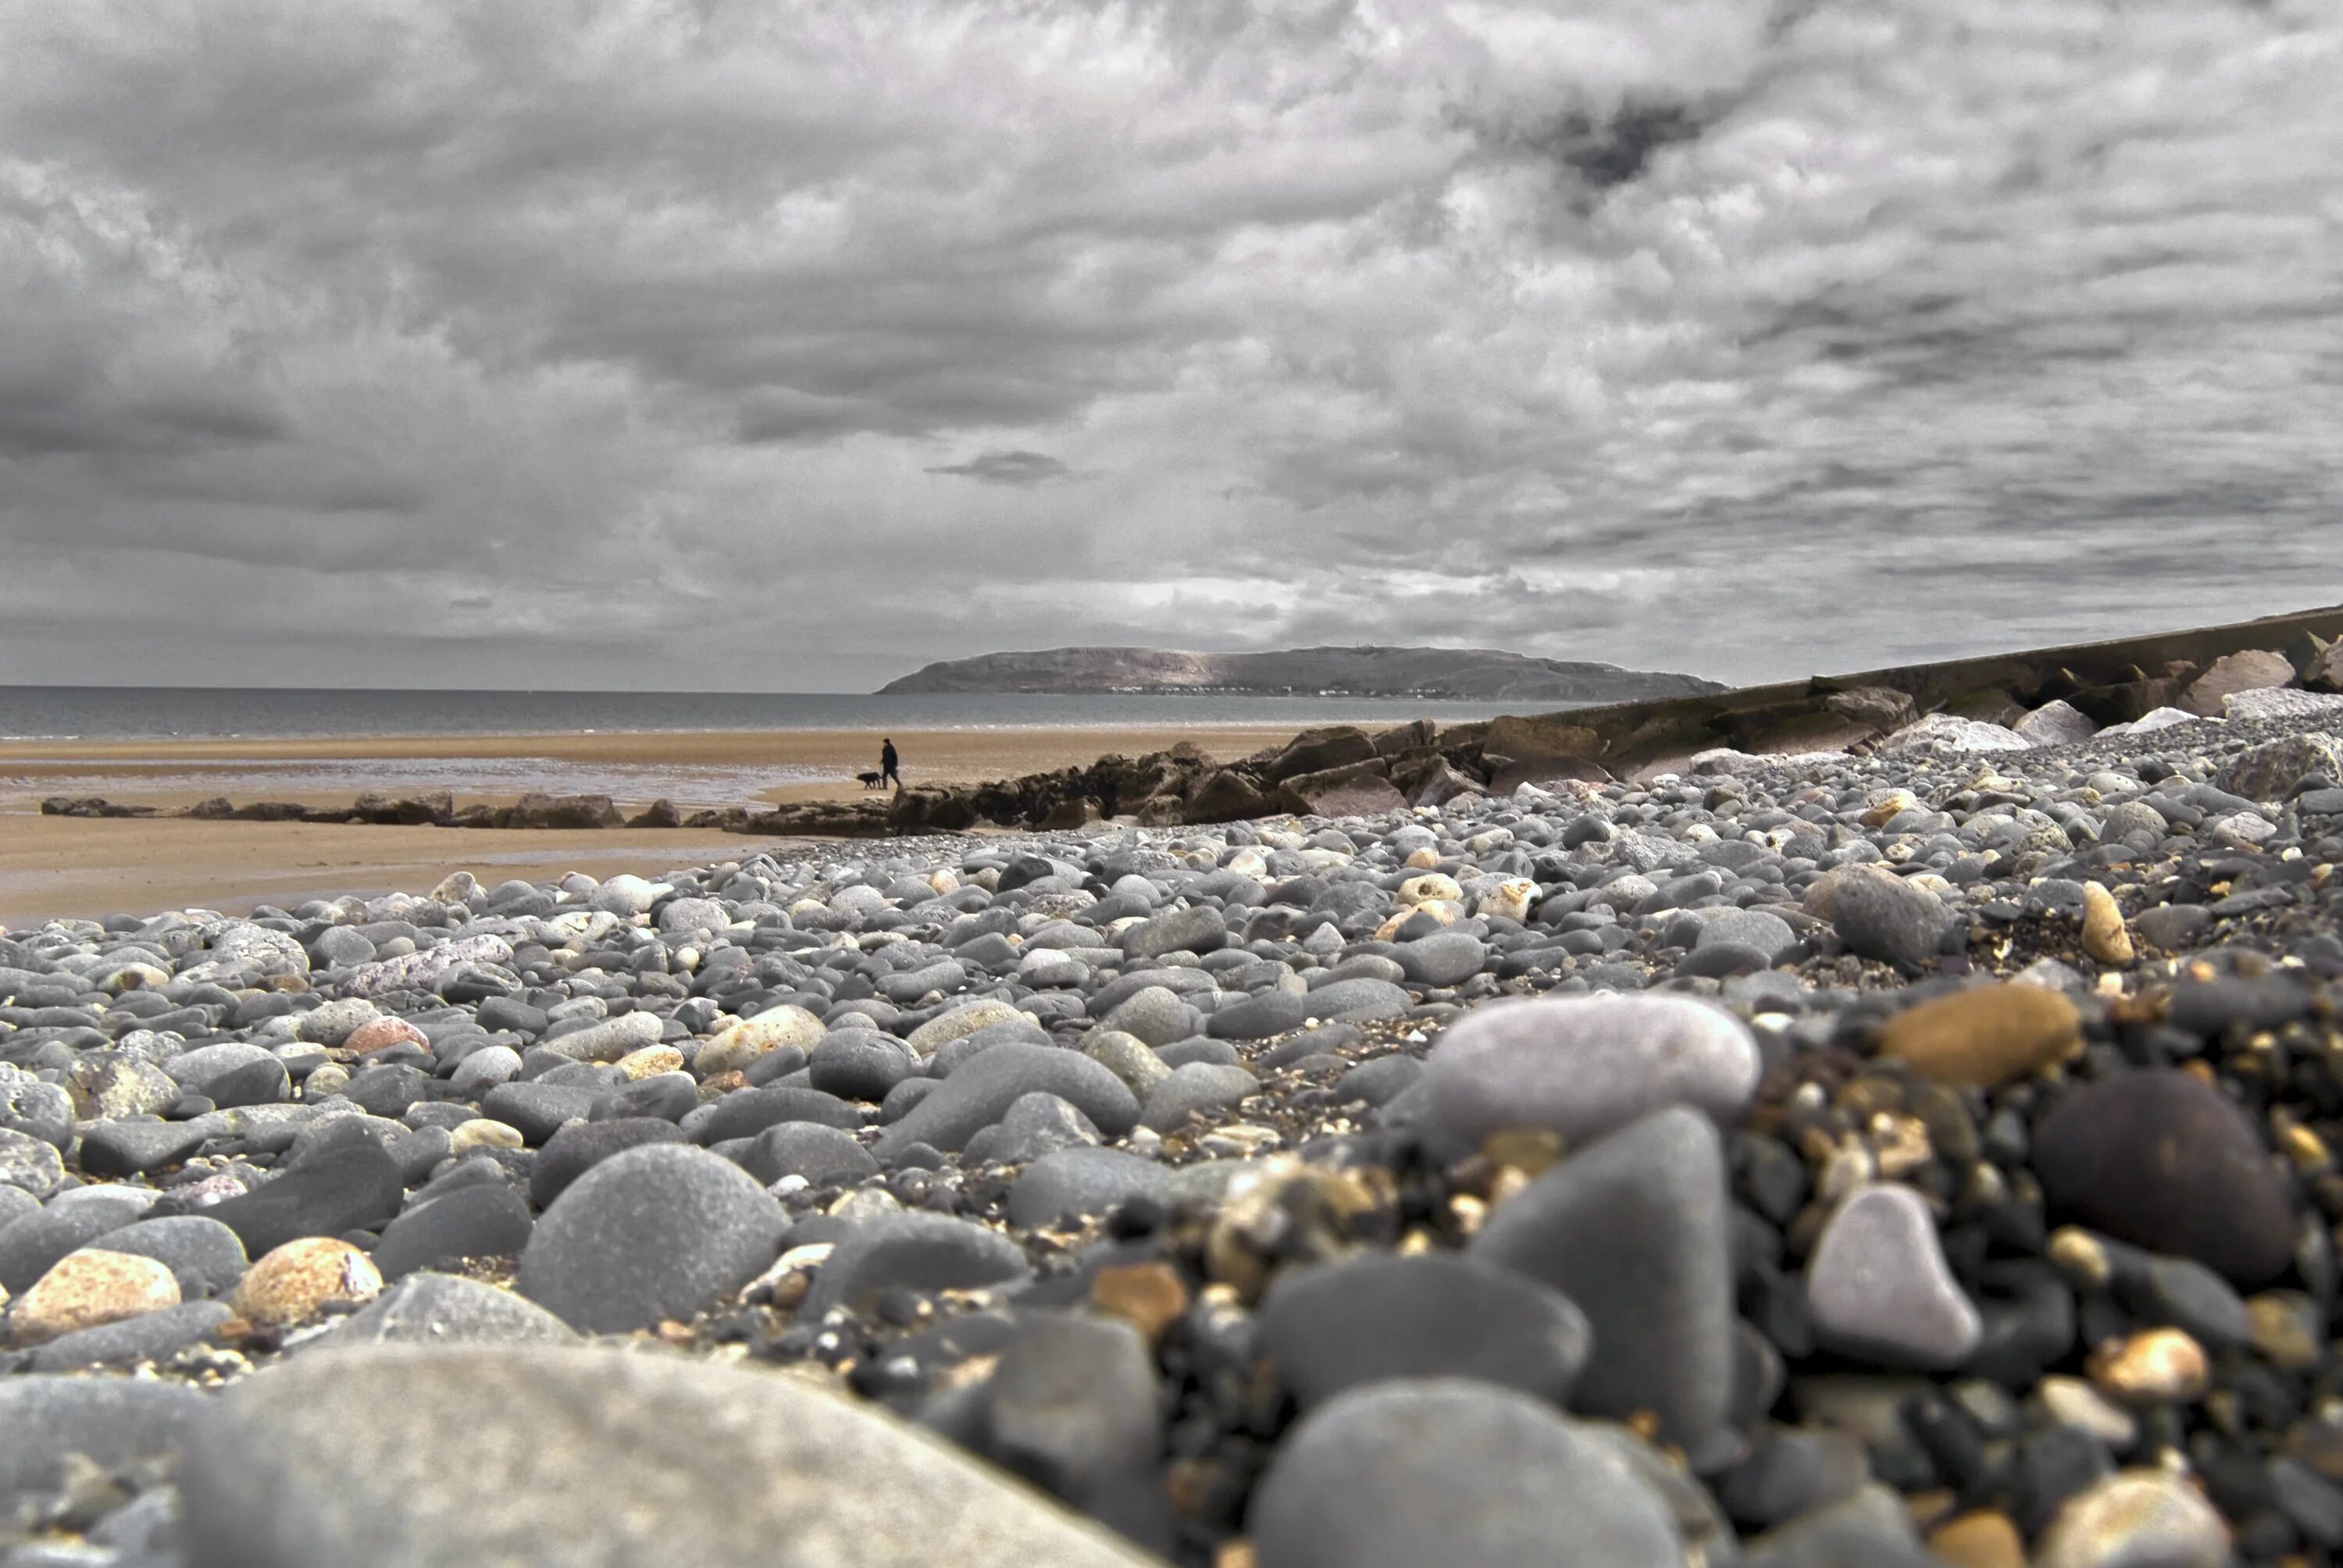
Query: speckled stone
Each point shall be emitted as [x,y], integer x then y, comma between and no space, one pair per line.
[294,1282]
[88,1289]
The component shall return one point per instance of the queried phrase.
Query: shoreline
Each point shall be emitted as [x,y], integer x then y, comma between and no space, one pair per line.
[64,866]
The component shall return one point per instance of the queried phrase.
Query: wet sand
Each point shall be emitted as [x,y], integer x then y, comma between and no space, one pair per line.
[69,866]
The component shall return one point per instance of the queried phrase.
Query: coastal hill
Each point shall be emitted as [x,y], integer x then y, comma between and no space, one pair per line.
[1477,674]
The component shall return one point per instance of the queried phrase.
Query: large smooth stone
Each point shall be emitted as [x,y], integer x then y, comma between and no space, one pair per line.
[116,1422]
[434,1309]
[915,1251]
[660,1232]
[1338,1326]
[1985,1035]
[1635,1231]
[1582,1066]
[1081,1181]
[1449,1471]
[2161,1159]
[538,1457]
[352,1186]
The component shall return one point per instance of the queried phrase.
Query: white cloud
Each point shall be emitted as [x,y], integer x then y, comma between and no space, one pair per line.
[1747,338]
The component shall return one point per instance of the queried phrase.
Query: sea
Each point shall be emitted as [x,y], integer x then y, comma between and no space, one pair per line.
[181,714]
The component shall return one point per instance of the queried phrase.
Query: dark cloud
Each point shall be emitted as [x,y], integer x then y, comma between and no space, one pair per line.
[419,341]
[1019,470]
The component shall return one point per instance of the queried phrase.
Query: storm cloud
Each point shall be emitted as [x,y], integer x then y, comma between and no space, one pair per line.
[682,342]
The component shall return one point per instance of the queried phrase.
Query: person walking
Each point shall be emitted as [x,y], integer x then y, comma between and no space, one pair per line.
[889,765]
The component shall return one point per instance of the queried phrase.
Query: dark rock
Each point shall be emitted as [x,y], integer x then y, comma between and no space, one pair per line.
[352,1187]
[574,1151]
[480,1222]
[914,1252]
[660,1231]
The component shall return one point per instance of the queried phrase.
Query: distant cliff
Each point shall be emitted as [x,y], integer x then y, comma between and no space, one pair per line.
[1471,674]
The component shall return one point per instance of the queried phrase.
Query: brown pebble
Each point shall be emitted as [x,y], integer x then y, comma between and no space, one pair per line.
[1988,1036]
[2104,937]
[2285,1328]
[377,1032]
[1981,1540]
[88,1290]
[648,1061]
[2154,1366]
[1149,1297]
[298,1279]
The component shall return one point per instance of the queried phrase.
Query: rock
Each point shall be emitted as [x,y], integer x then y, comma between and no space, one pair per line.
[2249,671]
[1072,1407]
[983,1089]
[1444,958]
[823,1156]
[424,971]
[2104,936]
[2056,723]
[751,1037]
[2172,926]
[2136,1519]
[1128,1057]
[625,896]
[1954,734]
[578,1148]
[153,1336]
[1634,1230]
[1878,1287]
[435,1309]
[112,1148]
[1198,928]
[88,1289]
[1084,1180]
[746,1112]
[1152,1015]
[1033,1126]
[29,1162]
[1196,1087]
[1768,933]
[2161,1159]
[960,1021]
[1448,1471]
[489,1220]
[1988,1035]
[351,1187]
[1259,1017]
[660,1232]
[203,1254]
[609,1039]
[914,1251]
[859,1064]
[2155,1366]
[1341,1326]
[1582,1066]
[32,1243]
[538,1110]
[2270,770]
[342,1457]
[115,1424]
[296,1281]
[1881,916]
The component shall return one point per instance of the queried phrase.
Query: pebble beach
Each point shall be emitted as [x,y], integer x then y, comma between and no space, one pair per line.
[1926,1157]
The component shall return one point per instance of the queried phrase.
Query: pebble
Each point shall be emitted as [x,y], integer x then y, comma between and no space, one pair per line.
[1634,1230]
[1405,1474]
[2136,1519]
[917,1251]
[657,1231]
[1881,916]
[2160,1159]
[981,1091]
[29,1162]
[1582,1066]
[294,1282]
[436,1309]
[2155,1365]
[87,1290]
[1341,1325]
[1987,1036]
[351,1187]
[1878,1285]
[489,1220]
[55,1423]
[2104,936]
[1071,1181]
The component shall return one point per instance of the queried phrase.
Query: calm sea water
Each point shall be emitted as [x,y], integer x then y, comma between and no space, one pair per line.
[154,712]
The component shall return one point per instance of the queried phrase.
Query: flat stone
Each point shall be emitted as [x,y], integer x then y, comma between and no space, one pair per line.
[1878,1287]
[204,1254]
[1635,1230]
[151,1337]
[1197,1086]
[1074,1181]
[660,1232]
[112,1148]
[1197,929]
[435,1309]
[943,1029]
[823,1156]
[1881,916]
[1449,1471]
[1582,1066]
[489,1220]
[915,1250]
[981,1091]
[1338,1326]
[572,1455]
[1442,959]
[352,1187]
[2163,1160]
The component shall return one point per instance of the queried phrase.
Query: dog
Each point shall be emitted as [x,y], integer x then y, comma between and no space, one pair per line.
[869,780]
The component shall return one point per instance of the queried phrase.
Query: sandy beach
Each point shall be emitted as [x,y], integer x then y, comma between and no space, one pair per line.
[63,866]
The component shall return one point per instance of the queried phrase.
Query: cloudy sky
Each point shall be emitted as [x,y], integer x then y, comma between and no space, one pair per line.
[790,346]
